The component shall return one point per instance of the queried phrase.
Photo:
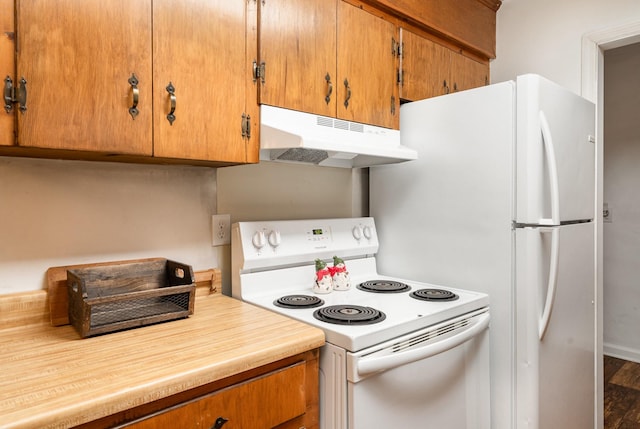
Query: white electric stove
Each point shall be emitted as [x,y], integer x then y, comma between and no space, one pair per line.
[380,327]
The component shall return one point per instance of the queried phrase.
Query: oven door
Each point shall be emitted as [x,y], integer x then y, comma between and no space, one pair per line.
[434,378]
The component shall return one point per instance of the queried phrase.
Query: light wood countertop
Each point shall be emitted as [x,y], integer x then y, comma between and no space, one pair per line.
[51,378]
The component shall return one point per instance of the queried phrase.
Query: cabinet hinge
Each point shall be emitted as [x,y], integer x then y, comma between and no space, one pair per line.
[397,48]
[246,126]
[258,71]
[13,94]
[400,77]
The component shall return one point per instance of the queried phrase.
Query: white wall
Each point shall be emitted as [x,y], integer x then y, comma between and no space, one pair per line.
[275,190]
[55,213]
[545,36]
[621,184]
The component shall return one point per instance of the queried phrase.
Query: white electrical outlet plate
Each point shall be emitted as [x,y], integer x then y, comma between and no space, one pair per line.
[220,229]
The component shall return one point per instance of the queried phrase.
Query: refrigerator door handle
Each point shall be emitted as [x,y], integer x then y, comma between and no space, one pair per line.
[552,282]
[550,155]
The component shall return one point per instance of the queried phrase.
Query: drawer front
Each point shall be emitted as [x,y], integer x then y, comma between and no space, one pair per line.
[261,402]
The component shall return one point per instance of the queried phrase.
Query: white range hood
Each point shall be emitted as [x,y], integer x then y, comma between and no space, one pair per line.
[292,136]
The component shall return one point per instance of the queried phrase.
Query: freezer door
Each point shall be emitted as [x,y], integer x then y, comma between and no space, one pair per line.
[555,151]
[555,328]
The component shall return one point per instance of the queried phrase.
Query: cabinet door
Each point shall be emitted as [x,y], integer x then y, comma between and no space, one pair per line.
[263,402]
[366,88]
[467,73]
[199,48]
[425,67]
[77,57]
[298,47]
[430,69]
[7,66]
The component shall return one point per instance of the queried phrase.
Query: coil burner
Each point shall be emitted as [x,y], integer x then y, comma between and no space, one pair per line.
[384,286]
[434,295]
[298,301]
[349,315]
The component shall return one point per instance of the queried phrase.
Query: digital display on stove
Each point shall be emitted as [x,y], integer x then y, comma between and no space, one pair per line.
[317,231]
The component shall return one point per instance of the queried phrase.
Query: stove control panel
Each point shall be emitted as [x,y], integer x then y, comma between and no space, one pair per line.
[262,245]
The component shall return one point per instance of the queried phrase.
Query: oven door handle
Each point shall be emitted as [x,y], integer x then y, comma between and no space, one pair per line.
[383,363]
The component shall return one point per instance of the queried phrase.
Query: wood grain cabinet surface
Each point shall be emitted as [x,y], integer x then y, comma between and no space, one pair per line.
[429,69]
[347,59]
[181,81]
[162,79]
[77,58]
[329,58]
[266,401]
[470,23]
[7,67]
[199,48]
[297,45]
[367,63]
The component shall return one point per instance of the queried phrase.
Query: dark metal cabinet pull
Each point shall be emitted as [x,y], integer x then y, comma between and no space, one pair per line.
[327,99]
[348,97]
[133,81]
[172,97]
[246,126]
[220,421]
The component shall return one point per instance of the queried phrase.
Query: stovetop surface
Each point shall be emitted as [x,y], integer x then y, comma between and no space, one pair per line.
[403,314]
[272,259]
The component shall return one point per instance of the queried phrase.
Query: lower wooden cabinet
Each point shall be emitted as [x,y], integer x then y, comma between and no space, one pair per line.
[262,402]
[281,395]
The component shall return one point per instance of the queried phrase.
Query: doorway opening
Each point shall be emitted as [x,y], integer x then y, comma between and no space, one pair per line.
[594,46]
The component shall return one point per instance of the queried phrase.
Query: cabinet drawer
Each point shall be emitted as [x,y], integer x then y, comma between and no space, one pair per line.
[261,402]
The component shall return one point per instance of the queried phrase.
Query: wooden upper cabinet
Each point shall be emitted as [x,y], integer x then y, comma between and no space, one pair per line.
[199,49]
[367,82]
[7,67]
[430,69]
[102,77]
[469,22]
[468,73]
[298,47]
[425,67]
[78,58]
[317,52]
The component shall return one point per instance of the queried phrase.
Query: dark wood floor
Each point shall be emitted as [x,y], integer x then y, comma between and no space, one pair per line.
[621,394]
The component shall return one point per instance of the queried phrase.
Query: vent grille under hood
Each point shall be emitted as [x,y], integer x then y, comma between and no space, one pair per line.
[292,136]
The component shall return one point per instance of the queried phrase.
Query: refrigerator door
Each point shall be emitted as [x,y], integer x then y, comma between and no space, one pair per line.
[555,339]
[555,153]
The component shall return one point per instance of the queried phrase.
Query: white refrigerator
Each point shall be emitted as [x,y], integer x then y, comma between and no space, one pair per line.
[502,200]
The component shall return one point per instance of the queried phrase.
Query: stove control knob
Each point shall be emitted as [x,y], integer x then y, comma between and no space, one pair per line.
[357,232]
[259,240]
[368,233]
[274,238]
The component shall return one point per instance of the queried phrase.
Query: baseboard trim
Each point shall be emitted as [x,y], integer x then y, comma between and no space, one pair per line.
[621,352]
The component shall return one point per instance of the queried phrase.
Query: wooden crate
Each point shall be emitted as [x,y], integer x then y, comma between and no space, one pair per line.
[111,298]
